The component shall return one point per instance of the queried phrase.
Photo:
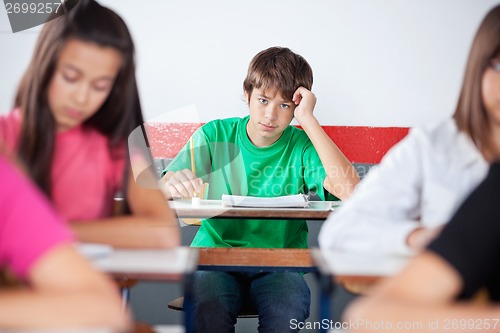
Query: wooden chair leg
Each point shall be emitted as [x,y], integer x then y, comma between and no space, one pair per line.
[125,285]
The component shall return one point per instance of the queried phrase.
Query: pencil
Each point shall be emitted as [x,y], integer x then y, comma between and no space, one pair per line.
[195,198]
[193,164]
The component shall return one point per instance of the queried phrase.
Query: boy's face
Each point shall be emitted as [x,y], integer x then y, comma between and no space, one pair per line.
[270,114]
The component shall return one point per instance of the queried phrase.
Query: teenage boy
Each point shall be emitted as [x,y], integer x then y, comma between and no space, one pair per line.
[260,155]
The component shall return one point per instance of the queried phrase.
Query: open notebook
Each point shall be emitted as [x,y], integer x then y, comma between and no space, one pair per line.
[297,200]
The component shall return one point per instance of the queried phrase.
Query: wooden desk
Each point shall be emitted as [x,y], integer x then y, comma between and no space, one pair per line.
[354,267]
[162,265]
[356,272]
[255,259]
[172,265]
[319,210]
[252,259]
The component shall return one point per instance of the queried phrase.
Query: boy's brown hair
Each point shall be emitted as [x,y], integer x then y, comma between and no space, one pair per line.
[278,68]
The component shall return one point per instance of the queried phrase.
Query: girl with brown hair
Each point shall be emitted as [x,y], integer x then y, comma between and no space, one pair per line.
[74,110]
[422,181]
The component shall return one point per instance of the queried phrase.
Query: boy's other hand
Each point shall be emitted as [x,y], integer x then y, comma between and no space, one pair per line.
[181,184]
[305,101]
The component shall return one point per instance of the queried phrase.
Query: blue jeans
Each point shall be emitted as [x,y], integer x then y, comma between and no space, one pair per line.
[277,297]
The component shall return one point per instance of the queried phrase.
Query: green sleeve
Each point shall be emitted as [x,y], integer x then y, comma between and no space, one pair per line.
[315,174]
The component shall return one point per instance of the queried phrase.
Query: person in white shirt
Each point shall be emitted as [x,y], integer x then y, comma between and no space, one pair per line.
[402,204]
[454,285]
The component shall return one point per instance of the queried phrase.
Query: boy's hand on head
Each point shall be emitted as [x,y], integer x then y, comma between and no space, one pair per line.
[305,101]
[182,184]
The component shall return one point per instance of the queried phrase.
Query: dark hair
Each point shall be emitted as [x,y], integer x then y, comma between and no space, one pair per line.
[119,114]
[470,115]
[278,68]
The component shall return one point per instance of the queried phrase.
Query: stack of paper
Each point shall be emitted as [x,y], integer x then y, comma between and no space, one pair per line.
[298,200]
[93,250]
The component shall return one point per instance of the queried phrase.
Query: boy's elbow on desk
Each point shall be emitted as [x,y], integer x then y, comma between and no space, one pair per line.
[341,190]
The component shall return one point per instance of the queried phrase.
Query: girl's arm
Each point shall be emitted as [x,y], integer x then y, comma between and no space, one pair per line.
[152,224]
[422,299]
[64,291]
[387,203]
[341,176]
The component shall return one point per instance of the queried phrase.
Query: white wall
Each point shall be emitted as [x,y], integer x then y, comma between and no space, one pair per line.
[376,62]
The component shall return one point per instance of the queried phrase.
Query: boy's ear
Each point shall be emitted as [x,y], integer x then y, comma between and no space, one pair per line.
[247,96]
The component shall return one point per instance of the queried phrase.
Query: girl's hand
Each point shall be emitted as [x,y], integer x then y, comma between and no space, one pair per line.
[182,184]
[305,101]
[419,238]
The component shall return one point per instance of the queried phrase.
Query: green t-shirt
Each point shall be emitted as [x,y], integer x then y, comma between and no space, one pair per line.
[231,164]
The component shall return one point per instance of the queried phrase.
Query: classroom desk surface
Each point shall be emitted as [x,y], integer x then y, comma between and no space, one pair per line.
[163,265]
[166,265]
[319,210]
[357,273]
[255,259]
[355,268]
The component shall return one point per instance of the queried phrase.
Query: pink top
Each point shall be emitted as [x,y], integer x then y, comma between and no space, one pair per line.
[85,177]
[29,228]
